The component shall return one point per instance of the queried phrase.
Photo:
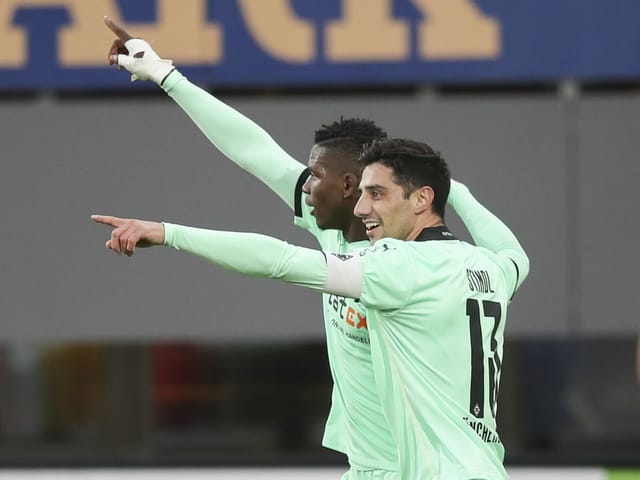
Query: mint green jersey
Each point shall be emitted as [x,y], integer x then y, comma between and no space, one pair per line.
[356,425]
[416,364]
[436,311]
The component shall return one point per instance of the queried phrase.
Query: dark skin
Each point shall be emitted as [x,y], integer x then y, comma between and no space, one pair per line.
[117,47]
[332,190]
[333,187]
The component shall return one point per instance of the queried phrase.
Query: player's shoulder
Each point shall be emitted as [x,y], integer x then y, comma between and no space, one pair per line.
[383,246]
[387,254]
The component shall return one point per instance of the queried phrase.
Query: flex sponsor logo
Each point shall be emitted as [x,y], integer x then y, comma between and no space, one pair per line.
[351,322]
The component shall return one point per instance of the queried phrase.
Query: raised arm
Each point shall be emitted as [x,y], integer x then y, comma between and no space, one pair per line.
[236,136]
[487,230]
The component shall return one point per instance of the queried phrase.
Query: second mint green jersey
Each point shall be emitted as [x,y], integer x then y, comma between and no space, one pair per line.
[436,311]
[356,425]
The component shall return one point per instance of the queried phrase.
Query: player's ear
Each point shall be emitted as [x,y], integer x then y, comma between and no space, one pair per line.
[350,184]
[423,198]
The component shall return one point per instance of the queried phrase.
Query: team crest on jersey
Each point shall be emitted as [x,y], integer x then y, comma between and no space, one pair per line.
[383,247]
[342,256]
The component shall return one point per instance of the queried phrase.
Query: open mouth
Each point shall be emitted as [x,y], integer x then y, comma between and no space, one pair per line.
[371,227]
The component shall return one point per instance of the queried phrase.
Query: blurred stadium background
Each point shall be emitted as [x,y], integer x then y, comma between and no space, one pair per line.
[174,369]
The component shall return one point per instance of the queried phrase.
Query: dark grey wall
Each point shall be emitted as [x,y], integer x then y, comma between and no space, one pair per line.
[561,175]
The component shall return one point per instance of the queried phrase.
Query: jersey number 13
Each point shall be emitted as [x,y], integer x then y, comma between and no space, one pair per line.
[490,310]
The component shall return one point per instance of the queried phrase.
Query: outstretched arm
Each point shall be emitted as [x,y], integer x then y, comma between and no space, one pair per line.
[247,253]
[236,136]
[487,230]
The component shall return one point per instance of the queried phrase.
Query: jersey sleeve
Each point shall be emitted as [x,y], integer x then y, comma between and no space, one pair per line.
[251,254]
[490,232]
[237,137]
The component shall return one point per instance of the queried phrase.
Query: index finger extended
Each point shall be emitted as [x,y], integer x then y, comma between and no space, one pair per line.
[108,220]
[120,32]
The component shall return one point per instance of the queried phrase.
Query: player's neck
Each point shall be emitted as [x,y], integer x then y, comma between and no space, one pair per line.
[427,221]
[355,231]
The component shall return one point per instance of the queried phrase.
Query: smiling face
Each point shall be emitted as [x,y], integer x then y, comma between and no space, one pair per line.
[382,205]
[330,188]
[399,184]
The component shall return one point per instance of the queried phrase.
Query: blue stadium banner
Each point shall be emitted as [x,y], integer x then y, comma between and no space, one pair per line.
[62,44]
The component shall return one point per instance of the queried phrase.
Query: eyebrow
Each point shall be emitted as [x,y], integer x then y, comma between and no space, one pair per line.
[373,187]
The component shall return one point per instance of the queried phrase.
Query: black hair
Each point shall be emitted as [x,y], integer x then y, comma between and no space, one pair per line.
[414,165]
[350,135]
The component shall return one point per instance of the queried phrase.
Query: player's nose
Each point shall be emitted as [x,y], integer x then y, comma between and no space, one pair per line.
[361,208]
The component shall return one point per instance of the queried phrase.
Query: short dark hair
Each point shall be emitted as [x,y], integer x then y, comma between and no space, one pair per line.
[350,135]
[414,165]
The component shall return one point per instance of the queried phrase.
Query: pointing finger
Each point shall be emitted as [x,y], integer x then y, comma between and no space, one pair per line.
[108,220]
[119,32]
